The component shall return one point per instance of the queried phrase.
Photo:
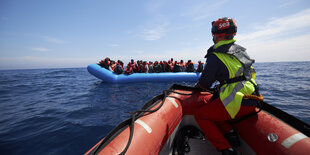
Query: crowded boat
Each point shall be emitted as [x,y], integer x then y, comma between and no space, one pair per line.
[141,66]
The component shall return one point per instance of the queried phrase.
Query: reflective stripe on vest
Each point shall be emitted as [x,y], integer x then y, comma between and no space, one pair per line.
[231,94]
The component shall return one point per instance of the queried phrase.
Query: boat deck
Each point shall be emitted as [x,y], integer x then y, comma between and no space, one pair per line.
[199,146]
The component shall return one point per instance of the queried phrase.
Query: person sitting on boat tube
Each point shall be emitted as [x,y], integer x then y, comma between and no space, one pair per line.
[182,66]
[112,66]
[132,65]
[150,66]
[172,62]
[105,63]
[145,67]
[189,66]
[157,67]
[129,69]
[141,67]
[168,66]
[119,68]
[162,64]
[229,64]
[200,66]
[176,67]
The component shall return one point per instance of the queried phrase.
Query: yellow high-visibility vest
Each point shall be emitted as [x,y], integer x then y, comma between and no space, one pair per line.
[231,94]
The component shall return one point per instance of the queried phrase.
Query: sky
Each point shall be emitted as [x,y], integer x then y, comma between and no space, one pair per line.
[76,33]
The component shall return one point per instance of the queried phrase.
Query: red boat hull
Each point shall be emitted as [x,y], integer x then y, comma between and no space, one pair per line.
[263,133]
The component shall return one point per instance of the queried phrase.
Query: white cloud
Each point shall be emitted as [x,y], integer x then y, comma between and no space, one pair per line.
[280,26]
[155,26]
[41,49]
[291,49]
[53,40]
[155,33]
[288,3]
[281,39]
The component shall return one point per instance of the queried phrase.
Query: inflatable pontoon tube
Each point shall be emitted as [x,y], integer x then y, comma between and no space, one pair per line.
[110,77]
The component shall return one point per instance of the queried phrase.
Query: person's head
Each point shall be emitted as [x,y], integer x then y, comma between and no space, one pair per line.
[120,62]
[132,61]
[223,29]
[107,59]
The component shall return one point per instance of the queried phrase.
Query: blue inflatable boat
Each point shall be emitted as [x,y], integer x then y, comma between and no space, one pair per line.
[110,77]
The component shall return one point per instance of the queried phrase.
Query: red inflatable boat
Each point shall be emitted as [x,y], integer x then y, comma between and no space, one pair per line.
[165,125]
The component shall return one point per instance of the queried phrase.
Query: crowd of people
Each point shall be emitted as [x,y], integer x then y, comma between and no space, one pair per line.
[149,67]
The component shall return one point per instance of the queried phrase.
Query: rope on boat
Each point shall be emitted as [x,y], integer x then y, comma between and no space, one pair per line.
[147,109]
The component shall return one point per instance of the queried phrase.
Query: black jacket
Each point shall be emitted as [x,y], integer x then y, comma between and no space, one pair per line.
[215,70]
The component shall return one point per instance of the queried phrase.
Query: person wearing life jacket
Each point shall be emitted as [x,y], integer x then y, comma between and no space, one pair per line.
[182,66]
[161,63]
[157,67]
[119,68]
[168,66]
[165,66]
[150,66]
[105,63]
[133,65]
[229,64]
[176,67]
[145,67]
[112,66]
[129,69]
[100,63]
[189,66]
[200,66]
[172,62]
[139,67]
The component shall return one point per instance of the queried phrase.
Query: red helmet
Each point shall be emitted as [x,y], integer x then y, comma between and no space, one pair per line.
[225,26]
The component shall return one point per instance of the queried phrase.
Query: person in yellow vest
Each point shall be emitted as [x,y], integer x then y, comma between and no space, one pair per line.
[230,65]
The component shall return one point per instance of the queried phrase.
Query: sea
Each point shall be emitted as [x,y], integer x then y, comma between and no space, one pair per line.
[67,110]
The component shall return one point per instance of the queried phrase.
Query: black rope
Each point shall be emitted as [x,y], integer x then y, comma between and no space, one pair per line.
[139,113]
[131,133]
[133,119]
[146,110]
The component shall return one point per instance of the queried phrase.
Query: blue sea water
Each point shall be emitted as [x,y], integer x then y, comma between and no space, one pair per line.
[67,111]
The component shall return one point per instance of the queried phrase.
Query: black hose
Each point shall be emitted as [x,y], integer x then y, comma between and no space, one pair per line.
[137,114]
